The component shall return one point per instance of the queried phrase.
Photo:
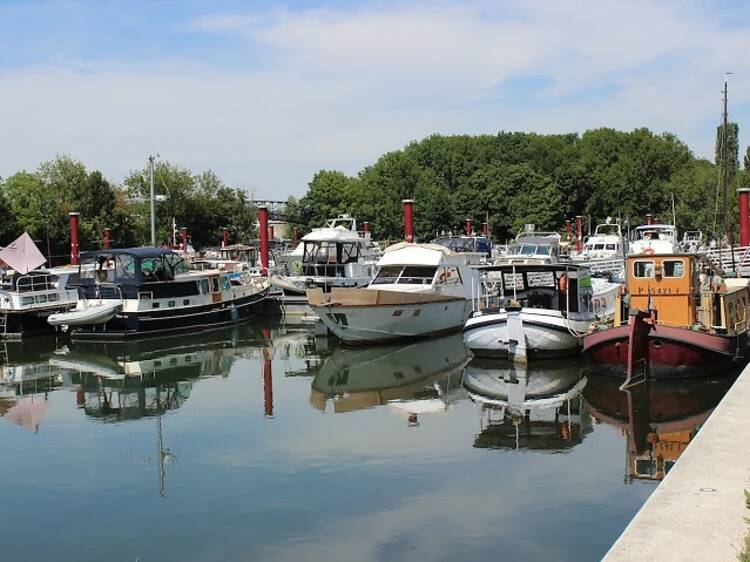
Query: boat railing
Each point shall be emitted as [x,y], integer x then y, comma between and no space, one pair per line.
[736,259]
[33,283]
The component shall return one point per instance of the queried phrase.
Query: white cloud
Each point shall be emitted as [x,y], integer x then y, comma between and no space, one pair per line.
[336,88]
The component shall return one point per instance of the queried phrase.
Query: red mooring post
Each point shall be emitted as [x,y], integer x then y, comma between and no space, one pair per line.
[224,237]
[263,234]
[270,232]
[107,238]
[469,227]
[295,235]
[184,236]
[649,218]
[567,229]
[75,248]
[744,209]
[409,220]
[267,384]
[486,230]
[579,233]
[366,227]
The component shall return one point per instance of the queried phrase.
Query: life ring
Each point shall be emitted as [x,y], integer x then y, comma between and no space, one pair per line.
[649,251]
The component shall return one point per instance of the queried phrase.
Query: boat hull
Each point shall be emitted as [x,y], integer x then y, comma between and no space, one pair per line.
[26,324]
[129,325]
[547,334]
[672,352]
[381,323]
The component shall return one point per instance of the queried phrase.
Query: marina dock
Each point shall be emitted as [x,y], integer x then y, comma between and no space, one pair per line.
[698,511]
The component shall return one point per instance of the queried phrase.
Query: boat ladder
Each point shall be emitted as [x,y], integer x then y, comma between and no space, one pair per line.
[3,324]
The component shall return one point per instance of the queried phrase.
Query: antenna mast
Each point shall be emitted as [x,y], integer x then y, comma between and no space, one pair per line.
[153,200]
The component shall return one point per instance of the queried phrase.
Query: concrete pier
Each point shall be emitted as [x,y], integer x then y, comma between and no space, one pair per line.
[698,511]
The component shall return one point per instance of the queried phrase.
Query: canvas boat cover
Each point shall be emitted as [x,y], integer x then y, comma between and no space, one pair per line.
[22,254]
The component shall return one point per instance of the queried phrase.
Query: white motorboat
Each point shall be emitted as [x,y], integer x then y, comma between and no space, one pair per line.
[604,251]
[532,247]
[29,294]
[419,290]
[337,255]
[654,239]
[537,310]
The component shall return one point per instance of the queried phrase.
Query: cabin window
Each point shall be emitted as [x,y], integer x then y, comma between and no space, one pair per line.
[153,270]
[611,247]
[124,267]
[598,246]
[643,269]
[214,284]
[154,305]
[448,276]
[171,304]
[673,268]
[387,275]
[513,281]
[417,275]
[27,300]
[204,286]
[225,284]
[540,279]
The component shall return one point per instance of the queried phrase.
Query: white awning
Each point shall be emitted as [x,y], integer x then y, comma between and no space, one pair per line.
[22,254]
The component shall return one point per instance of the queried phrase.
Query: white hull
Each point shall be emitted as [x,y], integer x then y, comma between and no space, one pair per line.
[360,324]
[546,333]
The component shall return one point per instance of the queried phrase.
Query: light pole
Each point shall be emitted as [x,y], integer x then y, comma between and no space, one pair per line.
[153,200]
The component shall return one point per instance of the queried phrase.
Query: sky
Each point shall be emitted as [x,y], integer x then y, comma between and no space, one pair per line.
[266,94]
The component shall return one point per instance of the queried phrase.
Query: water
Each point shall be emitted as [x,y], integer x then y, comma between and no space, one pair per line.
[264,443]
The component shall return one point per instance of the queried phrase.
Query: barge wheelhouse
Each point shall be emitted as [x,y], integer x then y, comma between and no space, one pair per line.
[150,291]
[680,316]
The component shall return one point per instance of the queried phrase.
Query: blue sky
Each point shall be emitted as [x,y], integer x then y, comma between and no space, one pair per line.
[266,94]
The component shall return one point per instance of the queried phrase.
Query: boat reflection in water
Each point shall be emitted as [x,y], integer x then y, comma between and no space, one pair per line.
[418,378]
[538,406]
[658,417]
[117,382]
[26,378]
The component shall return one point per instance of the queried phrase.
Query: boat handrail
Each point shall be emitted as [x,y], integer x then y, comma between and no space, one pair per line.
[32,283]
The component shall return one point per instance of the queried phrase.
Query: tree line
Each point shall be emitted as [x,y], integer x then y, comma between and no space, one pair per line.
[39,202]
[508,180]
[514,178]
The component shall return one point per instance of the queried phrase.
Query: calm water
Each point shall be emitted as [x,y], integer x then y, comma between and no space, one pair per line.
[265,443]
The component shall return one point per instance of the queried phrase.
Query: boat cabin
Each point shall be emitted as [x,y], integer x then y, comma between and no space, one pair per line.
[654,239]
[563,287]
[685,291]
[327,251]
[138,273]
[466,244]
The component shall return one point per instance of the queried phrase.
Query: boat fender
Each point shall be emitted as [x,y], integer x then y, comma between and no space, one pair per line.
[649,251]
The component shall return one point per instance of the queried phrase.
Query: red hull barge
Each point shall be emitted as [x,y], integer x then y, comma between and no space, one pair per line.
[670,352]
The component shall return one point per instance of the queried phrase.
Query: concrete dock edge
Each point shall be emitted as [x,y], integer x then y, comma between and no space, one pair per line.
[698,511]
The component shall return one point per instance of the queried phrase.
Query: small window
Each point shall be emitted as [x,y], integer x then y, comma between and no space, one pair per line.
[186,302]
[397,313]
[673,268]
[171,304]
[610,246]
[643,269]
[154,305]
[387,275]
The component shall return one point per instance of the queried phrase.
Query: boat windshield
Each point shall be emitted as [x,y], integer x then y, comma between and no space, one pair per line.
[405,275]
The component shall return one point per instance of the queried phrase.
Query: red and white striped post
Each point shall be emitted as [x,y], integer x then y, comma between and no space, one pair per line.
[263,235]
[408,220]
[649,218]
[567,229]
[744,210]
[224,237]
[486,230]
[75,249]
[469,227]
